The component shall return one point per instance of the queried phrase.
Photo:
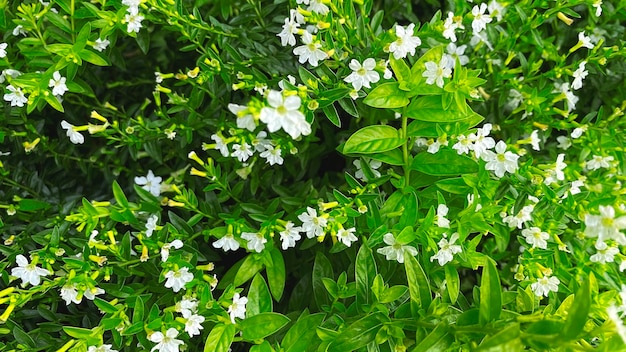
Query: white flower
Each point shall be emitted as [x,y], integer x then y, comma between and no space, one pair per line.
[585,41]
[150,183]
[534,140]
[318,7]
[598,5]
[244,117]
[555,173]
[480,37]
[599,162]
[9,72]
[435,73]
[272,155]
[578,131]
[575,187]
[395,250]
[177,279]
[312,224]
[69,294]
[373,164]
[515,98]
[605,226]
[612,312]
[480,19]
[463,144]
[564,142]
[133,22]
[75,136]
[450,25]
[501,161]
[165,250]
[579,75]
[28,272]
[16,97]
[454,52]
[570,98]
[242,151]
[238,308]
[220,144]
[447,250]
[3,50]
[101,44]
[362,75]
[57,83]
[256,241]
[151,225]
[187,306]
[289,29]
[19,29]
[544,285]
[133,6]
[91,293]
[406,42]
[227,243]
[290,235]
[442,211]
[605,253]
[522,217]
[495,8]
[260,143]
[193,324]
[284,112]
[167,342]
[535,237]
[310,51]
[101,348]
[347,236]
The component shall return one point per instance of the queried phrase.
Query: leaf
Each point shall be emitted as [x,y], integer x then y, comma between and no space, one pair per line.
[331,113]
[393,293]
[262,325]
[276,274]
[400,69]
[53,101]
[321,268]
[358,334]
[138,310]
[445,162]
[452,281]
[220,338]
[32,205]
[93,58]
[490,293]
[302,334]
[419,128]
[259,298]
[391,157]
[82,37]
[419,288]
[250,266]
[435,341]
[120,198]
[365,271]
[577,315]
[179,223]
[506,340]
[23,338]
[373,139]
[387,96]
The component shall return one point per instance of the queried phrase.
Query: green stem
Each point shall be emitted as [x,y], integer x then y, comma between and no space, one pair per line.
[405,149]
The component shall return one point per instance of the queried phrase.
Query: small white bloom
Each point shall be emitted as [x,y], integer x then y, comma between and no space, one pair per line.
[75,136]
[133,6]
[177,279]
[69,294]
[285,112]
[579,75]
[480,18]
[534,140]
[454,52]
[310,51]
[3,50]
[496,9]
[91,293]
[312,224]
[447,250]
[290,235]
[28,272]
[598,6]
[244,117]
[605,226]
[435,144]
[406,42]
[101,348]
[388,74]
[614,316]
[575,186]
[238,308]
[522,217]
[165,250]
[578,131]
[570,98]
[362,75]
[545,285]
[289,29]
[515,99]
[373,164]
[584,40]
[501,161]
[535,237]
[482,141]
[151,225]
[605,253]
[242,151]
[260,143]
[19,30]
[435,73]
[193,325]
[133,22]
[564,142]
[463,144]
[167,342]
[150,183]
[395,250]
[599,162]
[16,97]
[187,306]
[57,83]
[622,266]
[101,44]
[450,25]
[347,236]
[220,144]
[256,241]
[555,173]
[442,211]
[272,155]
[480,37]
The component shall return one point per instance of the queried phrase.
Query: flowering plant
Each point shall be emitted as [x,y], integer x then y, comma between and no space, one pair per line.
[312,175]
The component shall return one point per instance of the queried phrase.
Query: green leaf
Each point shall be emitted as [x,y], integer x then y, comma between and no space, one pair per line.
[58,21]
[400,68]
[577,315]
[302,334]
[179,223]
[445,162]
[276,274]
[250,266]
[452,281]
[53,101]
[138,310]
[358,334]
[418,128]
[437,340]
[220,338]
[365,271]
[262,325]
[391,157]
[259,298]
[393,293]
[104,305]
[373,139]
[120,198]
[32,205]
[387,96]
[490,293]
[331,114]
[321,268]
[23,338]
[93,58]
[506,340]
[83,36]
[419,287]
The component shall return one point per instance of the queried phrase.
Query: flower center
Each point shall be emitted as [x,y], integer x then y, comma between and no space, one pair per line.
[281,110]
[501,158]
[361,71]
[607,222]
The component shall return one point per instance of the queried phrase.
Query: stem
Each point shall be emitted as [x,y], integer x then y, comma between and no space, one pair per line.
[405,149]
